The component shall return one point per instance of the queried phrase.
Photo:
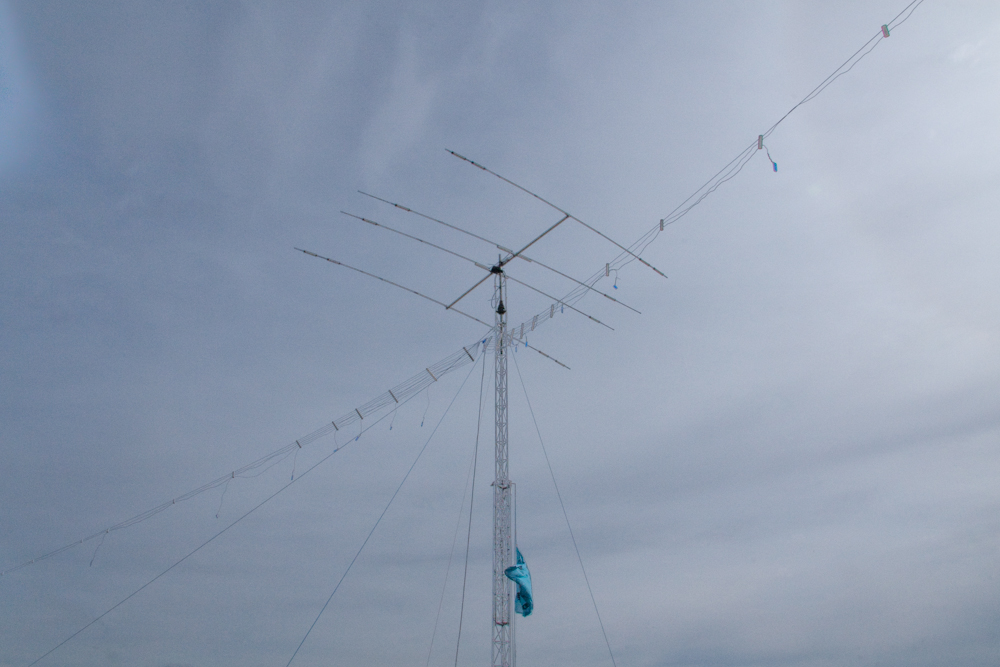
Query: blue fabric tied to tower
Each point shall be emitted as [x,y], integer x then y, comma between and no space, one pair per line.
[519,574]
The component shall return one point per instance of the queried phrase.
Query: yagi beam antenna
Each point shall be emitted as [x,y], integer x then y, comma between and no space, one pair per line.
[472,261]
[402,287]
[502,248]
[569,215]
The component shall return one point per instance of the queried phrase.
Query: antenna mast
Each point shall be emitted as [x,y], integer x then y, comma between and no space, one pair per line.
[503,548]
[503,651]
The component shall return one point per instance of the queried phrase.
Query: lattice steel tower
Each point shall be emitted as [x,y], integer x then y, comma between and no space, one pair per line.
[503,548]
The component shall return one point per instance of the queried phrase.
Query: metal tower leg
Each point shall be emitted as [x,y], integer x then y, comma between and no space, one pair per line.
[503,548]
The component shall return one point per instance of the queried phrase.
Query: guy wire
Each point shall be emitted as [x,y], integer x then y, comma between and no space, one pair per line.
[565,515]
[472,501]
[208,541]
[379,520]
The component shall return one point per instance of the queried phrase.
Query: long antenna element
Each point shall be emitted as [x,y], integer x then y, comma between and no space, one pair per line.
[501,248]
[568,215]
[472,261]
[440,222]
[410,236]
[402,287]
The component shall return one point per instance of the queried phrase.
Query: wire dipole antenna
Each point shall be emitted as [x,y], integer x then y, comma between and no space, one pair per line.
[728,172]
[391,398]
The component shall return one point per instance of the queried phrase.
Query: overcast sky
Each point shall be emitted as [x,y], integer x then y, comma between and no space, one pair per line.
[791,457]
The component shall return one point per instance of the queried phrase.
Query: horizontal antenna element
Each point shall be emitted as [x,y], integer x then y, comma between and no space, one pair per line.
[552,308]
[385,280]
[419,240]
[568,215]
